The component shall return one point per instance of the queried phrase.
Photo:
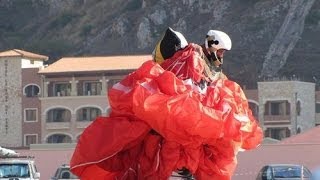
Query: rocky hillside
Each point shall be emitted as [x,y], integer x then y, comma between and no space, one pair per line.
[274,38]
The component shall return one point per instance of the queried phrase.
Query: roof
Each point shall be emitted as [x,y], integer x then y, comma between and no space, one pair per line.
[24,54]
[91,64]
[280,165]
[16,160]
[311,136]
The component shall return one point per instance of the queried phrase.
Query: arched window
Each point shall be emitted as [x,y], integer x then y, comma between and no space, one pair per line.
[298,108]
[59,138]
[88,113]
[254,108]
[31,90]
[298,130]
[58,115]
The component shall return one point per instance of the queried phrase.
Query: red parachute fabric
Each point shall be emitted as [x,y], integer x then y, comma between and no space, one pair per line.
[159,123]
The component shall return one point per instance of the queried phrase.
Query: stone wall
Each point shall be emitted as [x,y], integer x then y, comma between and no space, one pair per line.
[10,102]
[292,91]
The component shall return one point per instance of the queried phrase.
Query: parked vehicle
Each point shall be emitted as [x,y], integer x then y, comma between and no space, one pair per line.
[18,167]
[284,172]
[63,172]
[316,173]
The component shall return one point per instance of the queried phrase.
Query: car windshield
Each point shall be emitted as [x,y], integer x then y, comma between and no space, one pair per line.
[287,171]
[18,170]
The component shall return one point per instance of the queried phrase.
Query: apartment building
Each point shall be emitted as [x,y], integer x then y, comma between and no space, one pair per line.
[74,92]
[286,107]
[19,103]
[54,104]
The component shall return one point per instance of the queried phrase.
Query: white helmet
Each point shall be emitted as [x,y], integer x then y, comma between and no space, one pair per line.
[218,40]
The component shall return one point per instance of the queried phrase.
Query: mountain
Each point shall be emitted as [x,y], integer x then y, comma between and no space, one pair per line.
[271,39]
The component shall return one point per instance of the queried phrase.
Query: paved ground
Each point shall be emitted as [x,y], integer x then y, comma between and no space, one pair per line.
[249,163]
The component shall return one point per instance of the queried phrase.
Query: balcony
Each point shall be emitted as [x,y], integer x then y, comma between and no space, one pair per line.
[277,119]
[82,124]
[58,125]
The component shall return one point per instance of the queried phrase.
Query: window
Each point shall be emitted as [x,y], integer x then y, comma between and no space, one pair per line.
[306,173]
[317,107]
[30,115]
[277,133]
[31,91]
[62,89]
[30,139]
[65,175]
[88,114]
[254,108]
[277,108]
[269,173]
[59,138]
[58,115]
[17,170]
[92,88]
[298,130]
[291,172]
[298,106]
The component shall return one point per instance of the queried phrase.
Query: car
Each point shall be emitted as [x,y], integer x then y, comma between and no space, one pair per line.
[284,172]
[316,173]
[18,167]
[63,172]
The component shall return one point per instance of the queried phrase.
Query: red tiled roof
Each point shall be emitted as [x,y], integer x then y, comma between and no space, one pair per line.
[24,54]
[311,136]
[87,64]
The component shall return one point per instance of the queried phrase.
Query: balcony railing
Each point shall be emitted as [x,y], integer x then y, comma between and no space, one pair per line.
[82,124]
[277,118]
[58,125]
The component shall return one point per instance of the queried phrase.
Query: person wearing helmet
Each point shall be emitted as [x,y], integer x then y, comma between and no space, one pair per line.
[214,47]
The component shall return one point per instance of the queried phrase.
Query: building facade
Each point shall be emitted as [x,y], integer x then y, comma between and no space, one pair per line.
[286,107]
[54,104]
[18,96]
[74,93]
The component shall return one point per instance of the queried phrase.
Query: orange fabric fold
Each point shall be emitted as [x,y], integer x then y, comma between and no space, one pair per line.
[159,124]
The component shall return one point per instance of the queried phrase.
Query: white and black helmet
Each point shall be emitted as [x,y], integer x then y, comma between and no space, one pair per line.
[218,40]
